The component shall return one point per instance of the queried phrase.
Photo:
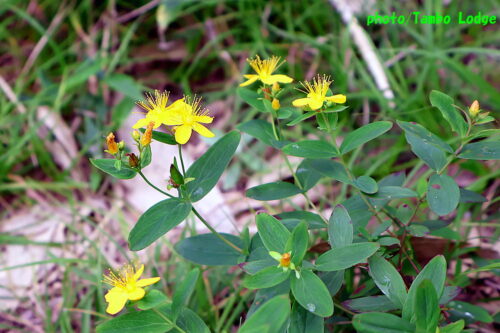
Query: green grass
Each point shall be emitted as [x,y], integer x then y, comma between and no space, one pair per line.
[92,68]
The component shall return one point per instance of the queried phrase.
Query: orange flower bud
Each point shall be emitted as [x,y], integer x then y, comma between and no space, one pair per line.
[133,160]
[276,87]
[474,108]
[285,260]
[146,137]
[276,104]
[267,93]
[111,143]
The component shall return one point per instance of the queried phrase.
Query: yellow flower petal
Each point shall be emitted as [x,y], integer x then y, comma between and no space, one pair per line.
[202,130]
[176,105]
[116,298]
[136,294]
[147,282]
[340,99]
[250,80]
[171,118]
[278,78]
[203,119]
[138,273]
[300,102]
[315,104]
[182,134]
[141,123]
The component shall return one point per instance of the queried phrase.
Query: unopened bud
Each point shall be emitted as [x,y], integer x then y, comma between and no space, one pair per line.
[275,104]
[133,160]
[474,108]
[276,87]
[285,260]
[148,134]
[121,145]
[136,135]
[267,93]
[112,145]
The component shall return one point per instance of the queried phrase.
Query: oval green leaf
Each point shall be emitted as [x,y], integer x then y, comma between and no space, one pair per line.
[263,131]
[207,169]
[273,191]
[311,149]
[156,221]
[141,321]
[452,115]
[388,280]
[366,184]
[210,250]
[364,134]
[272,315]
[312,294]
[378,322]
[266,278]
[426,307]
[272,232]
[340,229]
[484,150]
[443,194]
[346,256]
[108,165]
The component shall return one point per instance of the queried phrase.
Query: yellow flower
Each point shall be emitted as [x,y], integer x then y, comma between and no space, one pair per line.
[276,104]
[188,118]
[157,108]
[112,145]
[316,94]
[126,286]
[264,69]
[474,108]
[283,259]
[148,134]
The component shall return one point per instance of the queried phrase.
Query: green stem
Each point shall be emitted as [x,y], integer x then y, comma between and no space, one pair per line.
[153,186]
[182,160]
[222,238]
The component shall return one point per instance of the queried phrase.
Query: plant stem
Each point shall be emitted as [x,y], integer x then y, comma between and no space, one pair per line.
[153,186]
[182,160]
[222,238]
[344,309]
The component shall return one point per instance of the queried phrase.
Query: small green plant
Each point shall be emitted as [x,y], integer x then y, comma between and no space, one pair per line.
[299,260]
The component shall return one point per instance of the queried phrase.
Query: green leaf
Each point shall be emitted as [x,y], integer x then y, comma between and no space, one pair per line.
[141,321]
[146,156]
[312,294]
[293,218]
[264,295]
[252,98]
[210,250]
[311,149]
[273,314]
[303,321]
[298,243]
[183,292]
[125,85]
[364,134]
[330,169]
[469,312]
[366,184]
[340,230]
[453,116]
[484,150]
[157,221]
[443,194]
[426,308]
[455,327]
[333,281]
[302,117]
[273,233]
[378,322]
[266,278]
[427,146]
[189,321]
[335,108]
[263,131]
[388,280]
[152,299]
[273,191]
[346,256]
[417,230]
[371,304]
[207,169]
[306,175]
[108,166]
[162,137]
[435,270]
[470,196]
[394,192]
[175,174]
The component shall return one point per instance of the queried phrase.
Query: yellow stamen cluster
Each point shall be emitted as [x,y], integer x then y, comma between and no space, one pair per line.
[316,94]
[265,69]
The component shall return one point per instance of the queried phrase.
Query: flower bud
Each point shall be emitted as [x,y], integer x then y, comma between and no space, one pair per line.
[133,160]
[285,260]
[136,135]
[148,134]
[276,87]
[112,145]
[267,93]
[121,145]
[275,104]
[474,108]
